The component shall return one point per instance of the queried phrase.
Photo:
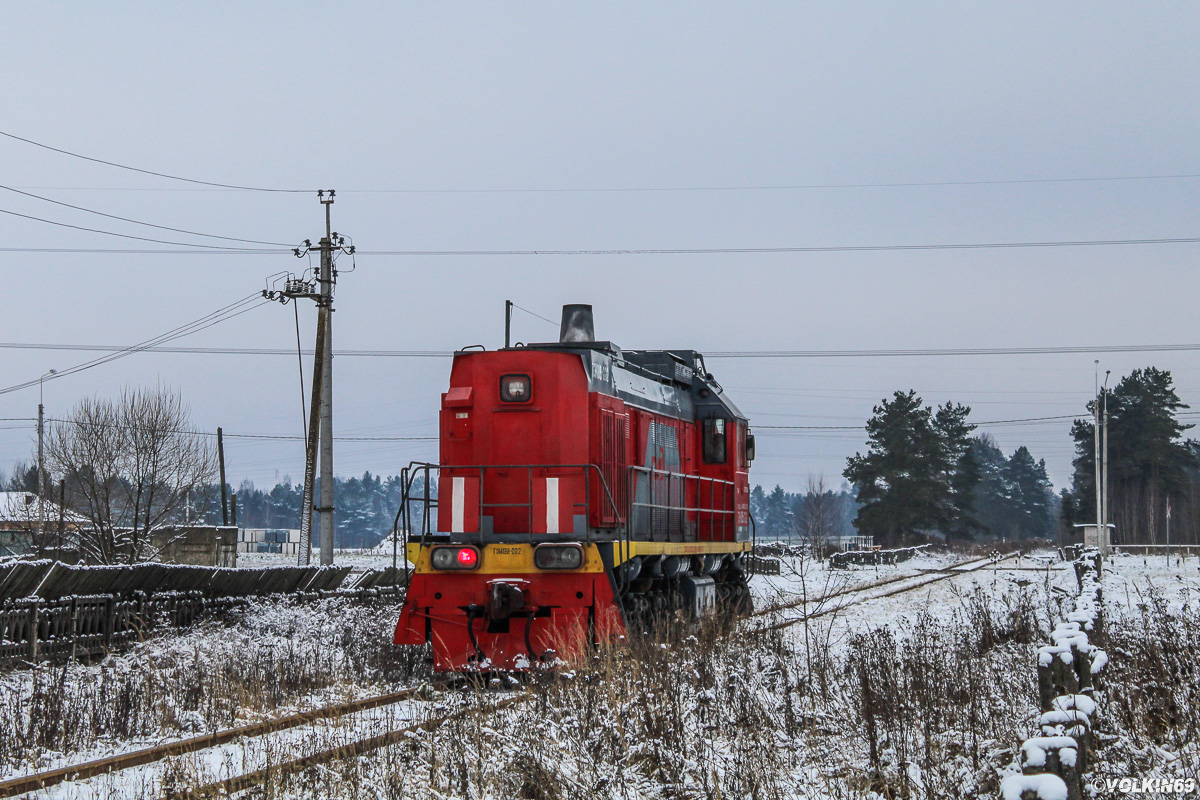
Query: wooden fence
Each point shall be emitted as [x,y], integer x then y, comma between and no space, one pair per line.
[50,610]
[1069,671]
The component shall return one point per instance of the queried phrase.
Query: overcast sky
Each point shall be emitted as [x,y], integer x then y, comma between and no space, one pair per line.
[607,126]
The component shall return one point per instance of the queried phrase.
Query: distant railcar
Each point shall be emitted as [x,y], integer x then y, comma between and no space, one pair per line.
[583,490]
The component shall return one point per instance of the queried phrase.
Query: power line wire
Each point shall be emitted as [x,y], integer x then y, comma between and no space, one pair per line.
[145,252]
[779,187]
[691,251]
[712,188]
[535,314]
[1024,420]
[139,222]
[136,238]
[150,172]
[207,321]
[726,354]
[961,351]
[270,436]
[622,252]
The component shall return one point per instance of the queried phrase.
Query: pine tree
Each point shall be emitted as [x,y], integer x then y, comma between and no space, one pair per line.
[780,522]
[903,481]
[1148,460]
[958,470]
[1032,494]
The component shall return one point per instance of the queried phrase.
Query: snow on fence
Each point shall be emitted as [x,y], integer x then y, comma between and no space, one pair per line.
[758,565]
[1068,671]
[873,557]
[38,619]
[51,580]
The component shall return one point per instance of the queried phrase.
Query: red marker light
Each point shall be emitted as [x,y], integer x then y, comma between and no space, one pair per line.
[467,557]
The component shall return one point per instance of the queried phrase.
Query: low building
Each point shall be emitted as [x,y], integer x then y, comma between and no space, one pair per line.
[285,541]
[1089,535]
[28,527]
[203,545]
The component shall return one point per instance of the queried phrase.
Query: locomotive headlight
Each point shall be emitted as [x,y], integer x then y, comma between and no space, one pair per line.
[558,556]
[515,388]
[447,558]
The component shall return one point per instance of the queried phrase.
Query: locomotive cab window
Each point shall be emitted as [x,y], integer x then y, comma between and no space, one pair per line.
[516,389]
[714,441]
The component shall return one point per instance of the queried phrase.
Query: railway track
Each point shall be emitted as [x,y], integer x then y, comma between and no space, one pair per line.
[77,772]
[353,749]
[952,571]
[273,771]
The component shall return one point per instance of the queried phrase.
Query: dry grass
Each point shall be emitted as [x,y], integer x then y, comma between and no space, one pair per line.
[268,659]
[922,713]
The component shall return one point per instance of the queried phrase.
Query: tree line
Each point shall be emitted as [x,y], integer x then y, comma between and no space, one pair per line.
[919,479]
[1152,466]
[133,464]
[925,476]
[365,507]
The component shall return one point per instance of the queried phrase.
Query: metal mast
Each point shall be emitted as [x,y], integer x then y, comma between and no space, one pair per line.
[320,424]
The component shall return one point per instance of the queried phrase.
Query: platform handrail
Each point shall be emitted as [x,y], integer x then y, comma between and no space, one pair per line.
[727,506]
[426,470]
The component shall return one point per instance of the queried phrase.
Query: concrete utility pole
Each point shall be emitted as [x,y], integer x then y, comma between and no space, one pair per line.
[221,460]
[326,309]
[1099,484]
[320,419]
[41,465]
[1104,543]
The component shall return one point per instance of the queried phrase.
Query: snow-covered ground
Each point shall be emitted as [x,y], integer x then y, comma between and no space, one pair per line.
[1131,580]
[377,558]
[269,660]
[780,710]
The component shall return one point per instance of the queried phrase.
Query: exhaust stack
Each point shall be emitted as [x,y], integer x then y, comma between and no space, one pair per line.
[576,324]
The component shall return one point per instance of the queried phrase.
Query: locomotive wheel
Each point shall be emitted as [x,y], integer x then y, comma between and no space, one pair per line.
[734,595]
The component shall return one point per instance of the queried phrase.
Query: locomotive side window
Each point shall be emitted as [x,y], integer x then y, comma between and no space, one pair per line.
[714,441]
[516,389]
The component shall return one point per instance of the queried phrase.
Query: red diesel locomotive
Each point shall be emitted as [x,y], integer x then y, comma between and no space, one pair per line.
[582,491]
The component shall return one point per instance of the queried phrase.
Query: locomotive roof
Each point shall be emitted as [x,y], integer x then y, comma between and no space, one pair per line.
[673,382]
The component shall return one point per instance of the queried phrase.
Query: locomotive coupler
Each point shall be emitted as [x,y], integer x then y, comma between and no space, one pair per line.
[508,597]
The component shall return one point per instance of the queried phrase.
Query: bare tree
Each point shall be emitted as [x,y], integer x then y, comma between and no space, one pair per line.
[817,519]
[129,466]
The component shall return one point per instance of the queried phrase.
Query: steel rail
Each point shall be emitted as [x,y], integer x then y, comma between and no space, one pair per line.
[229,786]
[823,612]
[149,755]
[858,588]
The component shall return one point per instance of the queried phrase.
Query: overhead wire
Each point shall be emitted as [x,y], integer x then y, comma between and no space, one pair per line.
[655,189]
[223,314]
[300,365]
[139,222]
[151,172]
[765,250]
[535,314]
[726,354]
[778,187]
[610,252]
[260,436]
[1024,420]
[203,247]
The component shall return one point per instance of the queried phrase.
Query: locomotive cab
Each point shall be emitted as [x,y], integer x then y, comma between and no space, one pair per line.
[582,490]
